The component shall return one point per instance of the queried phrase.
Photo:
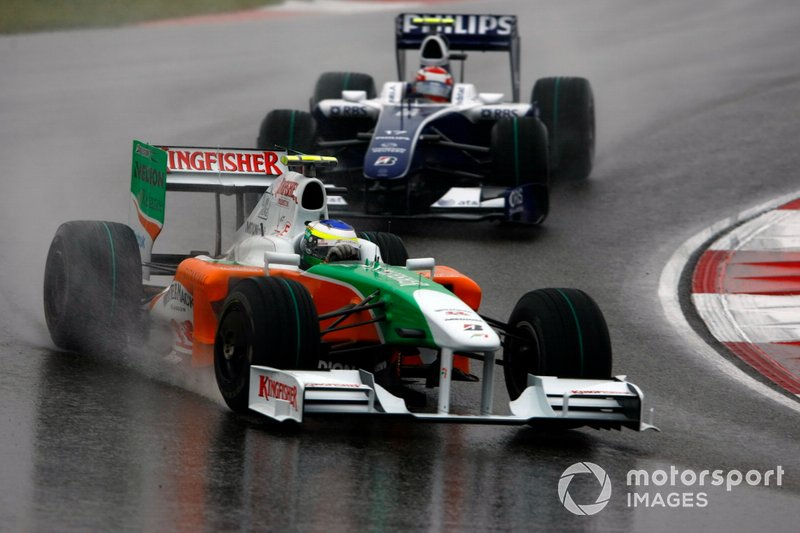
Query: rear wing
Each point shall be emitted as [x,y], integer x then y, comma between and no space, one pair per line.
[228,171]
[222,170]
[484,33]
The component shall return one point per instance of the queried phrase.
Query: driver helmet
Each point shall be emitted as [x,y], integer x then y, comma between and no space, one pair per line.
[326,241]
[433,83]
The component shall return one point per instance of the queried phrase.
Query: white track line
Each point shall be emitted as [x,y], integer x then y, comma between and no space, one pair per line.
[668,293]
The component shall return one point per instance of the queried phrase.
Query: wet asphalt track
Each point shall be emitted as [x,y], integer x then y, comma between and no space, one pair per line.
[698,118]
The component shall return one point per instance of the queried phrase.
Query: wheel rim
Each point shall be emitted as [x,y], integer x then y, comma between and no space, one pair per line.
[528,355]
[235,344]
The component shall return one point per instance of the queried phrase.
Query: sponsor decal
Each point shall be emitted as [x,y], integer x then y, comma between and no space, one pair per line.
[399,277]
[335,365]
[494,113]
[348,111]
[230,161]
[286,188]
[407,113]
[459,95]
[395,133]
[464,24]
[178,293]
[271,388]
[264,211]
[473,327]
[454,312]
[149,190]
[254,229]
[184,335]
[385,161]
[333,385]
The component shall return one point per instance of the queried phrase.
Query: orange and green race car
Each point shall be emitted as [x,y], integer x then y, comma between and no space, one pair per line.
[303,315]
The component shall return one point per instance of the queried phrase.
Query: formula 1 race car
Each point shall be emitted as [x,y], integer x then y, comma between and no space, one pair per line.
[434,147]
[290,331]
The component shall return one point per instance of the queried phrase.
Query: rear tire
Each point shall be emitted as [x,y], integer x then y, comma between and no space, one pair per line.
[392,248]
[267,322]
[92,285]
[566,334]
[331,84]
[566,106]
[287,129]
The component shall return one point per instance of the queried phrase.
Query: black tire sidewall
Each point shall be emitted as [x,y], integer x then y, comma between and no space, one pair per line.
[566,106]
[519,152]
[392,248]
[282,327]
[96,303]
[570,337]
[287,129]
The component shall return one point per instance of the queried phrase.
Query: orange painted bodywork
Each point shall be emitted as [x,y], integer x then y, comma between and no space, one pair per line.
[209,283]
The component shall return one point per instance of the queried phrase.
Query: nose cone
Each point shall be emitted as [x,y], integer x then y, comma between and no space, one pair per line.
[454,324]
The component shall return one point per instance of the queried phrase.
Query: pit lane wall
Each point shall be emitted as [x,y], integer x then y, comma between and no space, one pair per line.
[746,287]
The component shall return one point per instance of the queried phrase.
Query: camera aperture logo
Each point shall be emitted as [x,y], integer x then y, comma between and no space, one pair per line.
[602,498]
[664,488]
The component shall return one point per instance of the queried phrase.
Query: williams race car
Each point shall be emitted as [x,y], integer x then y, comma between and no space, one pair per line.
[302,315]
[434,147]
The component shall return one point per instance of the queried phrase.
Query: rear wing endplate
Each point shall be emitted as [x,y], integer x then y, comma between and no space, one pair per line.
[467,32]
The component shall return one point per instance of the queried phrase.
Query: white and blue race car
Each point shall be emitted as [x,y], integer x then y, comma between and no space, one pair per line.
[436,146]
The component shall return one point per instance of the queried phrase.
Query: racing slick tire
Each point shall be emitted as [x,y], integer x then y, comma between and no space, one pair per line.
[392,248]
[331,84]
[289,129]
[555,332]
[92,285]
[566,106]
[265,321]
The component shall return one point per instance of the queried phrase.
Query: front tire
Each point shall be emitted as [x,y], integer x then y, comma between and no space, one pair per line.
[92,285]
[266,322]
[556,332]
[519,152]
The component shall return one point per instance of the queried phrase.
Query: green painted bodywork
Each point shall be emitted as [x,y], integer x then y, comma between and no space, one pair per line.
[397,286]
[149,179]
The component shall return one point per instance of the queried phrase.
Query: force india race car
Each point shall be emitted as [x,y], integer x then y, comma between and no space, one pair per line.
[338,337]
[469,155]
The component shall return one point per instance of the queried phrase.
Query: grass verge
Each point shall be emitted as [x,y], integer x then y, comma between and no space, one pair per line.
[22,16]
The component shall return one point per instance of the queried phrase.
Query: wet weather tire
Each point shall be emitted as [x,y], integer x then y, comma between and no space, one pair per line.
[519,152]
[287,129]
[268,322]
[331,84]
[92,285]
[555,332]
[566,106]
[392,248]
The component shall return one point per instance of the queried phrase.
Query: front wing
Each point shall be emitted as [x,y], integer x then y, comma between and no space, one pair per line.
[290,394]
